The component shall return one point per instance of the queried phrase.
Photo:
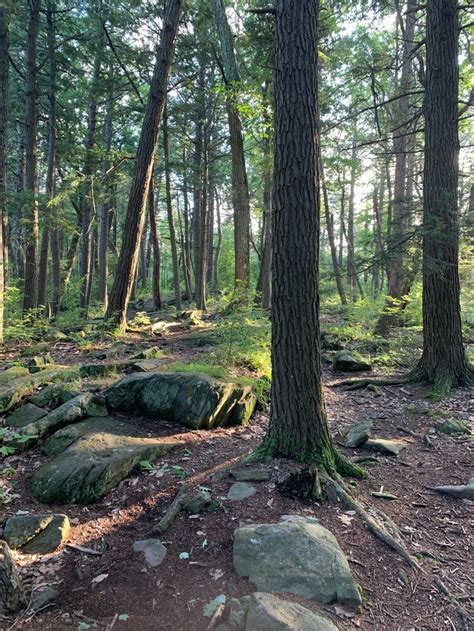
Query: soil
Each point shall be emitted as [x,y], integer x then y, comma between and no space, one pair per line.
[171,597]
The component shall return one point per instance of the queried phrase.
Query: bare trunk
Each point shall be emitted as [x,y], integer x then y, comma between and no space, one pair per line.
[169,210]
[155,241]
[4,19]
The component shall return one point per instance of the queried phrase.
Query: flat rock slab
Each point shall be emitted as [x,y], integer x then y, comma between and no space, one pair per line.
[196,401]
[358,434]
[252,475]
[153,550]
[36,534]
[144,365]
[65,437]
[94,465]
[385,446]
[463,491]
[298,557]
[266,612]
[28,413]
[17,382]
[241,491]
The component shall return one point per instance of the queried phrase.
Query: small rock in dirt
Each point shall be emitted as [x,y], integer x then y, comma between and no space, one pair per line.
[154,352]
[240,491]
[12,593]
[463,491]
[251,475]
[27,413]
[358,434]
[385,446]
[39,362]
[345,362]
[372,387]
[153,550]
[300,557]
[266,612]
[102,370]
[36,534]
[453,426]
[45,597]
[198,502]
[144,365]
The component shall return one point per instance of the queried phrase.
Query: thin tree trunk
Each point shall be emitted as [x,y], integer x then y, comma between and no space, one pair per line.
[51,176]
[4,19]
[351,269]
[31,175]
[169,210]
[134,220]
[443,363]
[199,209]
[215,279]
[155,240]
[187,264]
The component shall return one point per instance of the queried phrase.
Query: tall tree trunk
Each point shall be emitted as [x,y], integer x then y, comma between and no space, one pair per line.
[88,201]
[155,241]
[199,210]
[4,18]
[298,424]
[31,173]
[210,223]
[240,191]
[134,220]
[187,264]
[51,167]
[217,253]
[332,241]
[169,210]
[351,268]
[392,314]
[443,363]
[106,207]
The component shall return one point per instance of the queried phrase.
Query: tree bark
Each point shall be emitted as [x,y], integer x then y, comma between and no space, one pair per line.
[4,19]
[169,211]
[443,363]
[31,172]
[155,241]
[298,424]
[135,216]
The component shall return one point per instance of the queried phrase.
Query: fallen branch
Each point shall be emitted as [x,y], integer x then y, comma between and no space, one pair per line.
[172,511]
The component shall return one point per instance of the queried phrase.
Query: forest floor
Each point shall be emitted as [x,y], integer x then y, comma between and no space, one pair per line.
[171,597]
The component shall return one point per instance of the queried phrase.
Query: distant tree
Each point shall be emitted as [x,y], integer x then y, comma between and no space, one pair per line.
[3,151]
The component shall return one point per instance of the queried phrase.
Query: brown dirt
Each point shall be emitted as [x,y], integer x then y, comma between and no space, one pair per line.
[171,597]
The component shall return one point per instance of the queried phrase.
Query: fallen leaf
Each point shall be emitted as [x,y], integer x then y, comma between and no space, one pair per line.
[99,579]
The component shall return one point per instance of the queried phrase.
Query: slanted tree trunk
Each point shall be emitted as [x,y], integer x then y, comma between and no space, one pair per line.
[135,216]
[298,424]
[31,172]
[240,191]
[443,362]
[155,241]
[4,19]
[395,303]
[169,211]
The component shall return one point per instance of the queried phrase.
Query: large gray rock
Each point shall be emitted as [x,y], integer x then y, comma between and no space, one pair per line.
[266,612]
[28,413]
[197,401]
[12,593]
[36,534]
[94,465]
[55,394]
[345,362]
[298,557]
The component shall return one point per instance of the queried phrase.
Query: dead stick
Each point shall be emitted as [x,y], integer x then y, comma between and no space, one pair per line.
[172,511]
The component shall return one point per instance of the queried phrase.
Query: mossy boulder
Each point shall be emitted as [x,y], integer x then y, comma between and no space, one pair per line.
[39,362]
[358,433]
[94,465]
[56,394]
[65,437]
[154,352]
[345,362]
[453,426]
[299,557]
[36,534]
[24,415]
[194,400]
[102,370]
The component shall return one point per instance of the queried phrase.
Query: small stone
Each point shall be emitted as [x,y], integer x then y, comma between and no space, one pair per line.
[153,550]
[385,446]
[36,534]
[358,434]
[198,502]
[45,597]
[453,426]
[27,413]
[252,475]
[240,491]
[149,353]
[345,362]
[144,365]
[38,362]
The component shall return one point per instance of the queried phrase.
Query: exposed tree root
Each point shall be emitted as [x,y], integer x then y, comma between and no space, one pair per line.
[172,511]
[359,384]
